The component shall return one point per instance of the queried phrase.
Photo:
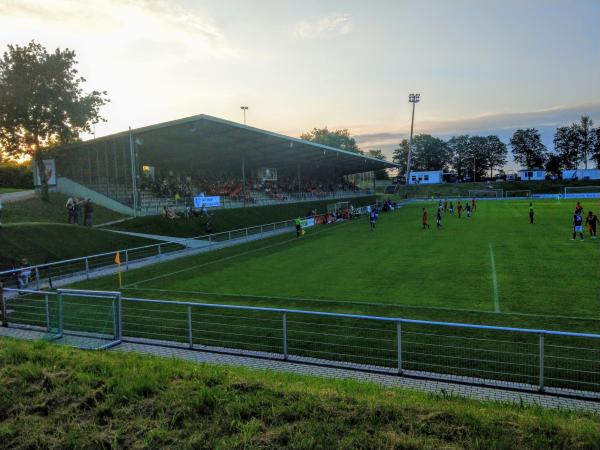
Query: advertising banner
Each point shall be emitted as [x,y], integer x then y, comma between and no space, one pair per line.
[308,222]
[50,166]
[209,202]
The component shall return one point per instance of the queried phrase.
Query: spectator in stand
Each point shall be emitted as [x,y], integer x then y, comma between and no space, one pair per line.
[88,210]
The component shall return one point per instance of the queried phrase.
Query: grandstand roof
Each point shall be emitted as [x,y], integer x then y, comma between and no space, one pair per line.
[222,144]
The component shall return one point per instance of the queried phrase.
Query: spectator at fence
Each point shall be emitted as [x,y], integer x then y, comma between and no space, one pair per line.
[70,209]
[24,274]
[88,210]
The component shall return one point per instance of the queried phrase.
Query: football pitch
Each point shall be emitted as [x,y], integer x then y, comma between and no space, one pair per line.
[493,268]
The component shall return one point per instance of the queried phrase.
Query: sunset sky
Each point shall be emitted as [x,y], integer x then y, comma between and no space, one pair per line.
[480,66]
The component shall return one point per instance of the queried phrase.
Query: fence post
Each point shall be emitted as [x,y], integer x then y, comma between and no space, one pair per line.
[190,331]
[3,305]
[285,347]
[159,253]
[37,278]
[246,233]
[126,260]
[229,236]
[59,310]
[115,320]
[87,268]
[273,227]
[47,307]
[399,345]
[541,358]
[119,317]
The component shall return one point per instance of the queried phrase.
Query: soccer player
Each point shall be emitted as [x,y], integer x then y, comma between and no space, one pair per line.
[577,225]
[591,220]
[373,218]
[474,204]
[578,208]
[425,224]
[531,213]
[451,207]
[468,209]
[459,209]
[446,204]
[438,218]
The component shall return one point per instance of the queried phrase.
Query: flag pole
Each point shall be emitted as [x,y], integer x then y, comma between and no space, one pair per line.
[118,263]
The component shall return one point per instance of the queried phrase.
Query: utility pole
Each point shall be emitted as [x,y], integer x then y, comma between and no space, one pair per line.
[244,108]
[412,98]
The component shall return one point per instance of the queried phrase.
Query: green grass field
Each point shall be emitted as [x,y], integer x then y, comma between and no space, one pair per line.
[441,273]
[544,280]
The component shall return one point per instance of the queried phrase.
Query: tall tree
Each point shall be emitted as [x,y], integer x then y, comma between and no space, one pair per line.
[42,103]
[596,148]
[553,164]
[476,162]
[400,156]
[587,138]
[528,149]
[429,153]
[495,153]
[458,146]
[566,143]
[337,139]
[381,174]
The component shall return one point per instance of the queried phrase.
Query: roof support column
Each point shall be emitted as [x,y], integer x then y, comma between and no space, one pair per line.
[299,180]
[133,172]
[244,179]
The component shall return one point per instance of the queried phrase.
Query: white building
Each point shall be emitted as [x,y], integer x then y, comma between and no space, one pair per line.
[532,174]
[581,174]
[426,177]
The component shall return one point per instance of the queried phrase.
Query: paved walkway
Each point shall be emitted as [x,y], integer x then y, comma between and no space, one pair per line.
[17,196]
[188,242]
[440,386]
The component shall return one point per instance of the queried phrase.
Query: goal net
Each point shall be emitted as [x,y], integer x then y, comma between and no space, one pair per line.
[487,193]
[582,192]
[518,193]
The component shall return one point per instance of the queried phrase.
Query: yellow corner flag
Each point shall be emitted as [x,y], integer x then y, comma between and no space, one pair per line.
[118,263]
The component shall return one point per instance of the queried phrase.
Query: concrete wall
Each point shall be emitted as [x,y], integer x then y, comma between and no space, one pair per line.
[69,187]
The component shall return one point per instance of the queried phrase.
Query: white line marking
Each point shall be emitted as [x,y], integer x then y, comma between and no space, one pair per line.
[357,302]
[494,281]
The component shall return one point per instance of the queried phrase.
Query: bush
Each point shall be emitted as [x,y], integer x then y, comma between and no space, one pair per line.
[16,176]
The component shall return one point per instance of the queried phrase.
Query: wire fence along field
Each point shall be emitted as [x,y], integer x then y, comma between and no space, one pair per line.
[501,356]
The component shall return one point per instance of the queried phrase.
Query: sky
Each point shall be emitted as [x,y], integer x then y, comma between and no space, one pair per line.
[481,66]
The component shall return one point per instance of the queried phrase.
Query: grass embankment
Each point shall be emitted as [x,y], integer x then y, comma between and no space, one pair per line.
[230,219]
[36,210]
[462,189]
[58,398]
[4,190]
[41,243]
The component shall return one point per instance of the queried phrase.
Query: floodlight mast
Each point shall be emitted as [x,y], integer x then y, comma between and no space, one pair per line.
[244,108]
[412,98]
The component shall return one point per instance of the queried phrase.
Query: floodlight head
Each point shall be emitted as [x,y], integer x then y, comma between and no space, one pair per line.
[414,98]
[243,107]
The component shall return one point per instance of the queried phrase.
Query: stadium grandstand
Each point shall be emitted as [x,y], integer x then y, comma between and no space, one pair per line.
[142,171]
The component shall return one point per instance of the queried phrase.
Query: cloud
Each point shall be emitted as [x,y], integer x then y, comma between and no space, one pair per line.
[501,124]
[151,21]
[332,25]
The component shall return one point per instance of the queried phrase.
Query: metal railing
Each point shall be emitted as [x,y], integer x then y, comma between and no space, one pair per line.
[563,362]
[44,275]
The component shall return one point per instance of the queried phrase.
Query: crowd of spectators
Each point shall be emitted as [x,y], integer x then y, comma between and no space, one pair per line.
[179,188]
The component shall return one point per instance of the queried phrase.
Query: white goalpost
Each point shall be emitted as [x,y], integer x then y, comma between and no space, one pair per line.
[487,193]
[518,193]
[582,192]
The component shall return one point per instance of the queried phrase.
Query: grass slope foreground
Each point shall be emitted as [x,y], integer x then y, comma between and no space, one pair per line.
[45,242]
[58,398]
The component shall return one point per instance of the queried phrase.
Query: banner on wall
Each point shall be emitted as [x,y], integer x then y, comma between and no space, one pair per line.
[306,223]
[50,167]
[210,202]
